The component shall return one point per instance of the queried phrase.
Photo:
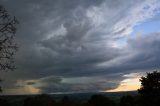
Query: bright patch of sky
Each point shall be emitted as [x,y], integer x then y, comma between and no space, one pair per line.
[149,26]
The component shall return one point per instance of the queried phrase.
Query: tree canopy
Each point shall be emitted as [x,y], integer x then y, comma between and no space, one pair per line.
[8,47]
[150,89]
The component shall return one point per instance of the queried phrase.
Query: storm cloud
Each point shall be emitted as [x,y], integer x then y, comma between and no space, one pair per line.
[81,46]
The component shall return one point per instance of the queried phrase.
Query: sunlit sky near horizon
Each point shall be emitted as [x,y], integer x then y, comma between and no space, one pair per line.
[76,46]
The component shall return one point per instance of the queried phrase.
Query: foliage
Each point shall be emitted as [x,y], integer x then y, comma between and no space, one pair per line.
[7,45]
[47,100]
[150,89]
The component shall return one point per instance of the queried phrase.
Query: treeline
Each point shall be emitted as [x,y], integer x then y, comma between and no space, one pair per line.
[95,100]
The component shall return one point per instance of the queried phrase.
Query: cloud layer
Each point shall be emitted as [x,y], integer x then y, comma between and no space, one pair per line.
[81,46]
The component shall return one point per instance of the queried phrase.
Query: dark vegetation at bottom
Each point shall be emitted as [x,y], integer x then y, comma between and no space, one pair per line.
[94,100]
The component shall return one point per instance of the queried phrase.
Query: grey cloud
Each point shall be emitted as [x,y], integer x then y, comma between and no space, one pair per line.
[77,84]
[73,39]
[141,53]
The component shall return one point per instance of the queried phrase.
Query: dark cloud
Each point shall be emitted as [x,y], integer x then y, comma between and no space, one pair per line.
[74,39]
[30,83]
[77,84]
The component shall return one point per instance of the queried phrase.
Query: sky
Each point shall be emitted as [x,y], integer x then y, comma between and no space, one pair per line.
[75,46]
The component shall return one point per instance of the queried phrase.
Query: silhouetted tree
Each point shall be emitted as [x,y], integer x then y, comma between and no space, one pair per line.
[127,101]
[7,44]
[150,89]
[100,100]
[40,100]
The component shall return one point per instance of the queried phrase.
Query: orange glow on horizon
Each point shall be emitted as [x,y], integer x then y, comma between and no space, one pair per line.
[127,85]
[28,89]
[31,89]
